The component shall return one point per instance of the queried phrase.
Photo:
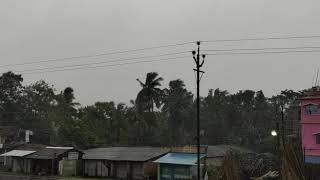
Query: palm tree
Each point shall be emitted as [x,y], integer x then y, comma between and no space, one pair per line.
[176,97]
[177,103]
[150,93]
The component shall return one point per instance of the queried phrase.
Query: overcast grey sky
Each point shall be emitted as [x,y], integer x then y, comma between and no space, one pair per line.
[46,29]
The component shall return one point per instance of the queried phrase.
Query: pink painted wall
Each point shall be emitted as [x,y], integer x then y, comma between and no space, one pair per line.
[310,125]
[309,139]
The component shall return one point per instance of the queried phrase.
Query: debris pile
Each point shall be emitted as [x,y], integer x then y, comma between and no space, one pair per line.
[256,165]
[268,176]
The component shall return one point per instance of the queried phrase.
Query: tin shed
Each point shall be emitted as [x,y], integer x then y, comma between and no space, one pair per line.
[179,165]
[122,162]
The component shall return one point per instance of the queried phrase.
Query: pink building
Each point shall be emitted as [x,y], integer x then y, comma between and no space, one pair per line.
[310,126]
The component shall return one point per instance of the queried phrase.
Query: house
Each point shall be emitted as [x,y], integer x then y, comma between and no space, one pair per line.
[10,138]
[51,160]
[179,165]
[122,162]
[41,159]
[310,126]
[14,159]
[7,134]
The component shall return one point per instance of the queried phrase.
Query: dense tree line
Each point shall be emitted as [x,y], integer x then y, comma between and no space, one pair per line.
[157,117]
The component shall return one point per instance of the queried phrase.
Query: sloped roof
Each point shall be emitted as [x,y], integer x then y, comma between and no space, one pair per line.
[48,153]
[179,158]
[220,150]
[125,153]
[30,147]
[17,153]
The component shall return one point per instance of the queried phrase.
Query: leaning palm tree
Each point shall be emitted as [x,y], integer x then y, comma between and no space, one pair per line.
[150,94]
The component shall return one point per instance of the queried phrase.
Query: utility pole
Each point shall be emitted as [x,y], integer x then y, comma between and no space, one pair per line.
[196,57]
[282,126]
[278,136]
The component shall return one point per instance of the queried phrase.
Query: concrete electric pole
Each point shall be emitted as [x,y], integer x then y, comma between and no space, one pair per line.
[199,64]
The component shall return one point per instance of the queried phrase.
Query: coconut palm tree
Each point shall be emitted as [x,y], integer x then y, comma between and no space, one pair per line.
[150,94]
[177,103]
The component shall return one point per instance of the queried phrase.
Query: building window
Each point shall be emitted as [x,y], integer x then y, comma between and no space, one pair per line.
[311,109]
[318,138]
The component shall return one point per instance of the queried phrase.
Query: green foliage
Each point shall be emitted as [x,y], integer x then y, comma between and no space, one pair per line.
[150,93]
[158,117]
[11,107]
[177,105]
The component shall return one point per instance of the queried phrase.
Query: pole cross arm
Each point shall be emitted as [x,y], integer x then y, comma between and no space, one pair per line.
[199,71]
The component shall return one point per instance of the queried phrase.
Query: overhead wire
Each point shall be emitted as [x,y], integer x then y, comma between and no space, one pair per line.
[267,48]
[94,55]
[158,47]
[264,38]
[108,65]
[228,52]
[173,58]
[264,52]
[167,54]
[102,62]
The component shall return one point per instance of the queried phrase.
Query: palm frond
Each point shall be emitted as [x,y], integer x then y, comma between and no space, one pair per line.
[141,83]
[151,77]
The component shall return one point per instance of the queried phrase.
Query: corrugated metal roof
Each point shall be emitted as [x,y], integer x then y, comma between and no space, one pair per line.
[125,153]
[17,153]
[47,153]
[179,158]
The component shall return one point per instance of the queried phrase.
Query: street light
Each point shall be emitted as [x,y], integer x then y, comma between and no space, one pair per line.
[274,133]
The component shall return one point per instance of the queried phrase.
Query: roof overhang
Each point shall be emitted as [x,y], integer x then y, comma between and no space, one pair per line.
[18,153]
[54,147]
[189,159]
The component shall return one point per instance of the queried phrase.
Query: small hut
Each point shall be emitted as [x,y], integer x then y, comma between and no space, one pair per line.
[179,165]
[122,162]
[52,160]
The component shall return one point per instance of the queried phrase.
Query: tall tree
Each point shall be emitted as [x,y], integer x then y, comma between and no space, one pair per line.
[215,115]
[38,101]
[150,94]
[177,102]
[66,117]
[11,109]
[99,119]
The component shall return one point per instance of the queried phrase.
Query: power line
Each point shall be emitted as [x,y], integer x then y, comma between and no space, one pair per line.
[144,57]
[266,52]
[158,47]
[96,55]
[102,62]
[264,38]
[146,61]
[258,49]
[108,65]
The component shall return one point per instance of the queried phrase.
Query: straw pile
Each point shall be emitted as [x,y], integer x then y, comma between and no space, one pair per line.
[230,167]
[292,165]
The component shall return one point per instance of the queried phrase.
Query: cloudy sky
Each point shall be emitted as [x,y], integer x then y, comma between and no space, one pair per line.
[40,30]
